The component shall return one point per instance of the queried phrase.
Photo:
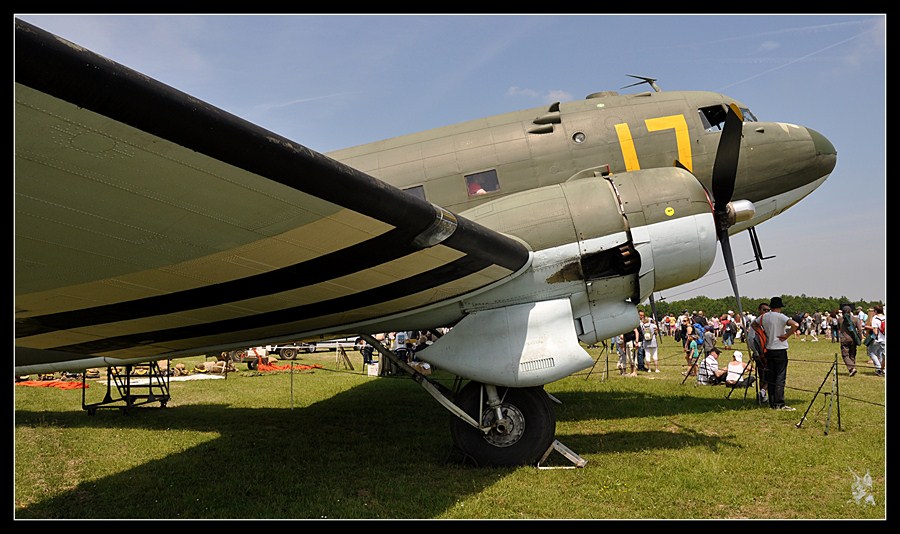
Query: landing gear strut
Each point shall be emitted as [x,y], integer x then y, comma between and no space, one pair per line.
[491,425]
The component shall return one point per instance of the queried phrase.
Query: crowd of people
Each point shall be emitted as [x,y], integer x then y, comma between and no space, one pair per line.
[638,349]
[769,331]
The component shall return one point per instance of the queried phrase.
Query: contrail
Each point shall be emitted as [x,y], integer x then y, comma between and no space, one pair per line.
[789,63]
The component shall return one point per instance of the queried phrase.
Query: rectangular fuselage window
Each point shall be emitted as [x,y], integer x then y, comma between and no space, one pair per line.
[483,182]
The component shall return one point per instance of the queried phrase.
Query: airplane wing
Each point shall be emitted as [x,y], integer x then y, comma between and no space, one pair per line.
[150,223]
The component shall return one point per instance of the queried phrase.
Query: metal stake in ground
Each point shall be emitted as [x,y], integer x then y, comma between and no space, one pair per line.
[833,396]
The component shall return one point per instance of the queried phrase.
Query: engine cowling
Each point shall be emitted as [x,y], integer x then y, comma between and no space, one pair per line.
[601,245]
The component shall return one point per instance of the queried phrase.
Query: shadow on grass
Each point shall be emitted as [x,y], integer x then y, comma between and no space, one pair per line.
[379,450]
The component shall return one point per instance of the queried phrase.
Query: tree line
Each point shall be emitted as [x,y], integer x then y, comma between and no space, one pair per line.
[716,307]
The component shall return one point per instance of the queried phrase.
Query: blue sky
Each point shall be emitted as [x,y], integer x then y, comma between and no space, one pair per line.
[330,82]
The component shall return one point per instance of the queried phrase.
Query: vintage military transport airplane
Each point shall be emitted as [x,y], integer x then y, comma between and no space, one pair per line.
[150,224]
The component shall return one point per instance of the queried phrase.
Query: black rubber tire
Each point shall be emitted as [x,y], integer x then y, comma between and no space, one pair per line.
[288,354]
[251,364]
[533,432]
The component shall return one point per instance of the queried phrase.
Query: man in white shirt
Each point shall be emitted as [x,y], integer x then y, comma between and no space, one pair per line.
[779,328]
[709,373]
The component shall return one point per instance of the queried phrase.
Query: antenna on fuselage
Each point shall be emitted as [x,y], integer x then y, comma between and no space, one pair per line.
[650,81]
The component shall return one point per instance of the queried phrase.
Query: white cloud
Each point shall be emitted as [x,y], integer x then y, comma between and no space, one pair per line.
[553,95]
[558,95]
[518,91]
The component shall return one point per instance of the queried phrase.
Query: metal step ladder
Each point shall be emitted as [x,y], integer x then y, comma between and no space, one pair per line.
[135,384]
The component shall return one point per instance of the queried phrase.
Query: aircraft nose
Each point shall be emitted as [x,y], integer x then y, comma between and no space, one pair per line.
[825,151]
[823,145]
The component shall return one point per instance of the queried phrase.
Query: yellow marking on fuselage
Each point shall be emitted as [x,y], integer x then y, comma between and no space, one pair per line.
[682,140]
[626,142]
[682,136]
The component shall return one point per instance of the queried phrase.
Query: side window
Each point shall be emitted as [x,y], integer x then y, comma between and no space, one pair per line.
[416,191]
[481,183]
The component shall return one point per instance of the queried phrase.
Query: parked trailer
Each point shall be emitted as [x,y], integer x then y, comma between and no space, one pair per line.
[288,351]
[348,343]
[291,350]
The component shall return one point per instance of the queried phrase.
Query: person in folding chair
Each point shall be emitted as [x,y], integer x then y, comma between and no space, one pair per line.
[709,373]
[738,373]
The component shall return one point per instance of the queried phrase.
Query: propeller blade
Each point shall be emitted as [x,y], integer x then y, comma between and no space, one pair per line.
[729,266]
[725,167]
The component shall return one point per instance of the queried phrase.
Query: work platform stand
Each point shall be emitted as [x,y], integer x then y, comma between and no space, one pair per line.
[153,386]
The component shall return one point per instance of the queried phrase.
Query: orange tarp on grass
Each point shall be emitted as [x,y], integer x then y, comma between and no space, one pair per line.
[266,367]
[60,384]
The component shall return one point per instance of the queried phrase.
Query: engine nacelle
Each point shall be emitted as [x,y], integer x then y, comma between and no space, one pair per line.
[601,246]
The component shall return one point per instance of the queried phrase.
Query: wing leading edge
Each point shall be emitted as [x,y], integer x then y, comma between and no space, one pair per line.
[150,223]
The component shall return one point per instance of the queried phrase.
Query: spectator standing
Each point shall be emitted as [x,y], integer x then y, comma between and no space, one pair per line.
[692,355]
[849,332]
[619,343]
[833,326]
[651,345]
[709,341]
[684,328]
[811,327]
[778,328]
[729,329]
[630,337]
[639,342]
[756,352]
[876,347]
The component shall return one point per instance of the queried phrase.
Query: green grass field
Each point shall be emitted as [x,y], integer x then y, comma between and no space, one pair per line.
[334,443]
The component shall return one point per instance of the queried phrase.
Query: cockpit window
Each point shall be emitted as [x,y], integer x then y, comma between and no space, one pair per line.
[713,117]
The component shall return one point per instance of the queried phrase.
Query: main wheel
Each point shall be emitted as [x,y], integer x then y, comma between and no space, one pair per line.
[288,354]
[521,438]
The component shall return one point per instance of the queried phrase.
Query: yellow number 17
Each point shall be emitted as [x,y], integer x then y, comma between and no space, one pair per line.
[682,140]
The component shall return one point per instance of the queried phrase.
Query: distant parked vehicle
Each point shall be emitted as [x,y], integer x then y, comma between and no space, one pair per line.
[289,351]
[348,343]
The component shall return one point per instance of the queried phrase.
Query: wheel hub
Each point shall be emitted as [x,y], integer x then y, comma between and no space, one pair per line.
[506,431]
